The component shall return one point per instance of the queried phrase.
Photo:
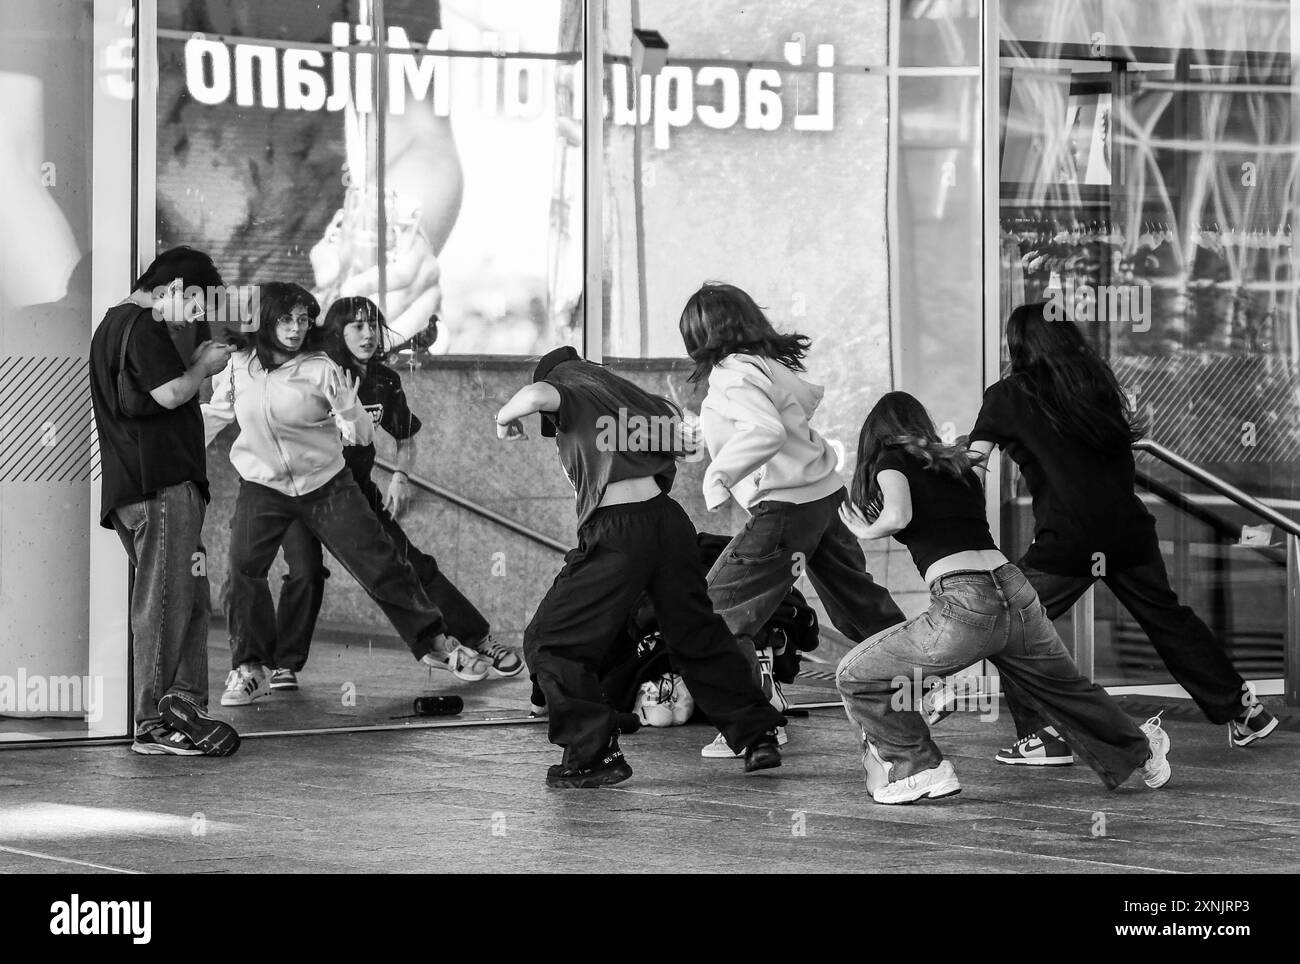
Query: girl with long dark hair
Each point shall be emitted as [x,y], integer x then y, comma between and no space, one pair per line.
[910,485]
[1062,416]
[295,407]
[619,445]
[766,455]
[353,333]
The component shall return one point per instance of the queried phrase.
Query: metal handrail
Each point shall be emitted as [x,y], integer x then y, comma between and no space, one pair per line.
[1291,641]
[1225,489]
[457,499]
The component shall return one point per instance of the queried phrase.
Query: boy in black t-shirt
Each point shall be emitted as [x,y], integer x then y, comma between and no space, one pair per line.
[155,492]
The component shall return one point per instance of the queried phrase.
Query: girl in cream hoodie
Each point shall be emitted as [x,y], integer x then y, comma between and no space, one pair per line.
[295,407]
[766,456]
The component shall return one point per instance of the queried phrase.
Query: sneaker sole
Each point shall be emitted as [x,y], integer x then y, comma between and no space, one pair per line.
[504,674]
[459,674]
[592,781]
[1059,761]
[153,749]
[241,700]
[212,737]
[283,687]
[1251,738]
[940,792]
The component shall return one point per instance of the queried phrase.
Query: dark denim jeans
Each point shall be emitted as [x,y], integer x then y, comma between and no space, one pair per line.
[304,588]
[1182,641]
[337,515]
[983,615]
[170,604]
[779,542]
[624,550]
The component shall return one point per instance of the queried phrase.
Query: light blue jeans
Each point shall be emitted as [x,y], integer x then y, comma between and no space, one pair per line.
[976,615]
[170,604]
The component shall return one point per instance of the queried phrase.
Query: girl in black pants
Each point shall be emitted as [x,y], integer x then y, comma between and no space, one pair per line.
[294,408]
[1062,417]
[617,444]
[352,335]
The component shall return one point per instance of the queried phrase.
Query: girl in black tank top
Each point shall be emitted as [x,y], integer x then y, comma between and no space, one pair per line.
[910,485]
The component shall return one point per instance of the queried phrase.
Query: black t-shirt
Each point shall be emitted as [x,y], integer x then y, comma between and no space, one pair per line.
[596,448]
[385,400]
[140,456]
[1084,500]
[947,512]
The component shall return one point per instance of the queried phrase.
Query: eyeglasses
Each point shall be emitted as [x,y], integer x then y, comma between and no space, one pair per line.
[295,321]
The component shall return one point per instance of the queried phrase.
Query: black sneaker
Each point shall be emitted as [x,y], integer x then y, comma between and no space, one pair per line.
[211,736]
[605,772]
[163,740]
[763,753]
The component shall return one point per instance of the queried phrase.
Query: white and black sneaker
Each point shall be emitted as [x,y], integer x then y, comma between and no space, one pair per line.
[1254,723]
[1155,771]
[1042,749]
[244,684]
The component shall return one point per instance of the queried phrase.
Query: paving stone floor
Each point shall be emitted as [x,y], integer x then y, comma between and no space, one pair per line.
[471,798]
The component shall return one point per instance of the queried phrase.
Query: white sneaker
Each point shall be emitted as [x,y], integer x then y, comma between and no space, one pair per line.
[461,661]
[718,749]
[1155,771]
[934,783]
[245,684]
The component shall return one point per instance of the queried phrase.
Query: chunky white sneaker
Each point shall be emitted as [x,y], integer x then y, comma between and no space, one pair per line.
[718,749]
[1155,771]
[461,661]
[933,784]
[245,684]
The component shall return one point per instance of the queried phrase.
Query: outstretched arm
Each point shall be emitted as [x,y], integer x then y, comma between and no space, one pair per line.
[537,397]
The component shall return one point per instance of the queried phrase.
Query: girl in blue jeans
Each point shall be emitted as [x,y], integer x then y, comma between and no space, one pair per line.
[913,487]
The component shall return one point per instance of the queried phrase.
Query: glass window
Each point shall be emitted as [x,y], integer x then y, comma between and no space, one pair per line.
[1147,158]
[275,155]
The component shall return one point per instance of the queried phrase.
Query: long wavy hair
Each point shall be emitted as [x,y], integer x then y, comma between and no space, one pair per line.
[721,319]
[280,298]
[1068,382]
[612,392]
[899,421]
[329,336]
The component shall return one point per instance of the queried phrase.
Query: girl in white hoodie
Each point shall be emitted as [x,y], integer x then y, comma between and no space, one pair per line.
[295,408]
[766,456]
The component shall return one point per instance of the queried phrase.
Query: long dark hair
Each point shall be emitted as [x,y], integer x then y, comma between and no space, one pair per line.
[280,298]
[1069,383]
[329,336]
[899,421]
[613,392]
[721,319]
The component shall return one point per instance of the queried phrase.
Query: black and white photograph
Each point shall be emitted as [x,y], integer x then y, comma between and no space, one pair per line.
[646,437]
